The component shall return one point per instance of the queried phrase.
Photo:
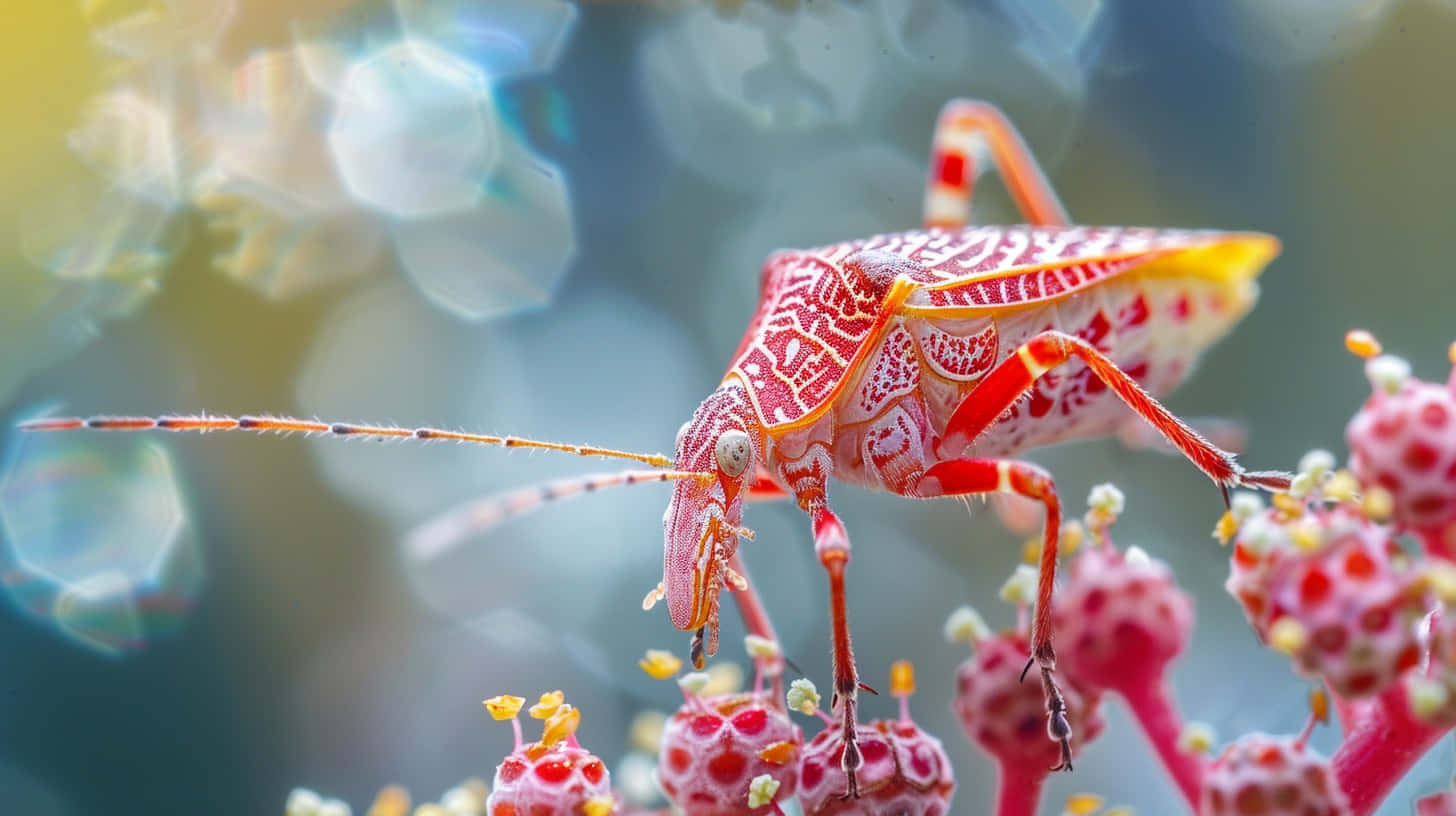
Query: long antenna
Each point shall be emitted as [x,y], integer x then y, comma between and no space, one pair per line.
[444,532]
[270,424]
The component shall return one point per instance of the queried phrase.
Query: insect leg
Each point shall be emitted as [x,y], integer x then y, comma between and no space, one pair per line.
[967,129]
[1014,376]
[831,544]
[961,477]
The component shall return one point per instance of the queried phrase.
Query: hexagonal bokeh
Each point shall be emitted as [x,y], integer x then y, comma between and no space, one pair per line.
[507,252]
[415,131]
[97,537]
[504,37]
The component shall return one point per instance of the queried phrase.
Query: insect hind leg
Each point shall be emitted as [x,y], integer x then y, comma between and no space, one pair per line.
[967,128]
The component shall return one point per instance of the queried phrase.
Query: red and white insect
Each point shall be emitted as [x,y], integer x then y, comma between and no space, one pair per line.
[916,362]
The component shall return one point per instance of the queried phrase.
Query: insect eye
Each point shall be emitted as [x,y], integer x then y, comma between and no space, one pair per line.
[681,432]
[734,452]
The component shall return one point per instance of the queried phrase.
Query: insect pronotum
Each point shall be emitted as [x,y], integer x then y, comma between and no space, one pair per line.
[916,362]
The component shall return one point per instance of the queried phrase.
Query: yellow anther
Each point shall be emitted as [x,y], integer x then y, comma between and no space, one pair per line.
[1020,588]
[432,809]
[1319,704]
[1196,738]
[660,664]
[902,678]
[645,732]
[1451,352]
[1288,635]
[1362,343]
[803,697]
[1377,504]
[550,701]
[1031,551]
[1306,535]
[561,724]
[1290,506]
[761,790]
[1341,487]
[1301,485]
[1427,697]
[391,801]
[1082,804]
[1072,536]
[598,805]
[653,596]
[504,706]
[1226,528]
[779,753]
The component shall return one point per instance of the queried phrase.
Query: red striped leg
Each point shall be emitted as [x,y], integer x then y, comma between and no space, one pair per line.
[1014,376]
[831,543]
[961,477]
[968,128]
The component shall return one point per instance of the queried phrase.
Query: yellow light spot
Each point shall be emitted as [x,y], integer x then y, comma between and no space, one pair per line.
[902,678]
[660,664]
[1196,738]
[1341,487]
[1288,635]
[1072,536]
[391,801]
[598,805]
[1031,551]
[645,732]
[724,677]
[550,701]
[561,724]
[1319,704]
[1083,804]
[504,706]
[1378,504]
[1306,535]
[1226,528]
[780,753]
[1362,344]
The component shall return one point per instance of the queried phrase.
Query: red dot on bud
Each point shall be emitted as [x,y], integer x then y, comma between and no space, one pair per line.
[1419,456]
[554,772]
[727,768]
[1315,587]
[512,769]
[594,771]
[751,722]
[706,725]
[1359,565]
[1434,414]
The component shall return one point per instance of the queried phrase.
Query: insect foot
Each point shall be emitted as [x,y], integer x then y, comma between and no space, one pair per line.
[903,769]
[554,776]
[1326,586]
[1403,443]
[1122,619]
[1009,719]
[1271,776]
[716,751]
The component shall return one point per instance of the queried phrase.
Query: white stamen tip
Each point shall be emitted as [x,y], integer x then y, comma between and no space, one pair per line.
[302,802]
[1197,738]
[1020,588]
[803,697]
[966,624]
[1108,498]
[1317,463]
[1388,372]
[761,790]
[694,682]
[1136,556]
[1245,504]
[760,648]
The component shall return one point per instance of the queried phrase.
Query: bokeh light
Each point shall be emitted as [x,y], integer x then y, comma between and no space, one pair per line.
[1287,32]
[506,38]
[98,539]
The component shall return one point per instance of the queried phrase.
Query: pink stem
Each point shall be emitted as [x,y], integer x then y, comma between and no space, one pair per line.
[1158,716]
[1379,748]
[755,620]
[1018,790]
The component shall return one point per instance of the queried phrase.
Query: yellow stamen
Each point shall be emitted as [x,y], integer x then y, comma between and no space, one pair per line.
[660,664]
[1306,535]
[1288,635]
[1031,551]
[1341,487]
[1082,804]
[761,790]
[779,753]
[1319,704]
[391,801]
[1362,344]
[902,678]
[1288,505]
[1378,504]
[1072,536]
[1197,738]
[504,706]
[598,805]
[1226,528]
[561,724]
[1451,352]
[550,701]
[1440,577]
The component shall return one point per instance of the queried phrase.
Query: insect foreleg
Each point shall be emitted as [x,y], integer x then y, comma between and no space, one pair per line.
[964,126]
[1015,375]
[963,477]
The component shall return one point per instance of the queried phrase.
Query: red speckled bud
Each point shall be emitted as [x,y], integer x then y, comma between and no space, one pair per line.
[556,782]
[906,771]
[1331,589]
[1260,775]
[713,748]
[1007,717]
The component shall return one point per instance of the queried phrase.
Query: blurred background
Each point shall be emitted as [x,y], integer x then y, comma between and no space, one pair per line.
[547,219]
